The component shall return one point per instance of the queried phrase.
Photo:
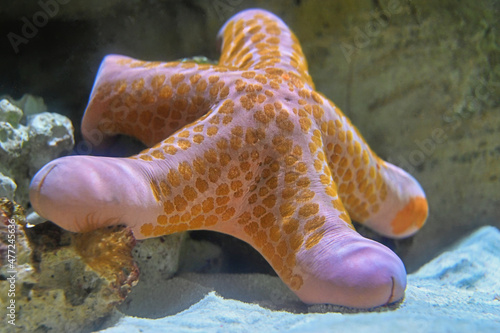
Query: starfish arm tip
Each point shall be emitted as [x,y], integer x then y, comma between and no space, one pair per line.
[362,274]
[83,193]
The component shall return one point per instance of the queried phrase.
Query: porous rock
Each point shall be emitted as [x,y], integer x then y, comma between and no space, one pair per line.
[158,261]
[7,186]
[50,136]
[64,282]
[29,142]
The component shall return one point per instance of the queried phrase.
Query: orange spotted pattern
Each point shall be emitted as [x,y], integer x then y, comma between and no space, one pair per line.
[248,147]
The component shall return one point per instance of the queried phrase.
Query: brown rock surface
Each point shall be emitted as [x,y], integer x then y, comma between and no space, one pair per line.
[63,282]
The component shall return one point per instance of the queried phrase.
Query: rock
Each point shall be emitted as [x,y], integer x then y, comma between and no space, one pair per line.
[7,187]
[50,136]
[12,141]
[33,218]
[64,282]
[200,256]
[158,261]
[158,258]
[26,147]
[10,113]
[29,104]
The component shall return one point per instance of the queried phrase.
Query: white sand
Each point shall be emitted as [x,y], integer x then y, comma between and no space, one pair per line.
[459,291]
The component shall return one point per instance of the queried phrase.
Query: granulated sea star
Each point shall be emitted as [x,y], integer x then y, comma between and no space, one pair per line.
[248,148]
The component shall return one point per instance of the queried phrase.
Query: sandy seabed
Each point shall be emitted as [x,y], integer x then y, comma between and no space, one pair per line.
[459,291]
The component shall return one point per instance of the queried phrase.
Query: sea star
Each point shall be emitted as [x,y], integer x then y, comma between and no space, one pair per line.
[249,149]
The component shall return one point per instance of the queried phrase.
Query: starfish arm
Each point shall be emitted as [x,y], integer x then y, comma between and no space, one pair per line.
[296,220]
[183,183]
[346,268]
[84,193]
[376,193]
[257,39]
[149,100]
